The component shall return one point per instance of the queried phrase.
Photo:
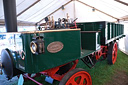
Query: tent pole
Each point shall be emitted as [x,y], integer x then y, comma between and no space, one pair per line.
[25,9]
[122,2]
[10,15]
[125,18]
[97,9]
[74,9]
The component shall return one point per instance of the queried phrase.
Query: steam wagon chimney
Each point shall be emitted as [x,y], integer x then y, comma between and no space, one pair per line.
[10,15]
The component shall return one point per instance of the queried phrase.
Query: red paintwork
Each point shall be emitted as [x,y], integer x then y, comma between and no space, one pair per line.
[101,52]
[114,53]
[80,78]
[74,26]
[52,72]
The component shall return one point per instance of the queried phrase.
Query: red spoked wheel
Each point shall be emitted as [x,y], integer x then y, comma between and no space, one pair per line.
[76,76]
[112,53]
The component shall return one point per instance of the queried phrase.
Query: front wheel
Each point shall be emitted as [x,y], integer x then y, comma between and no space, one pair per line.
[76,76]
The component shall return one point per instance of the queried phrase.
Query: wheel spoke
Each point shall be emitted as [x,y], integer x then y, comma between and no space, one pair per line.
[77,77]
[73,83]
[112,58]
[114,49]
[78,80]
[114,53]
[82,80]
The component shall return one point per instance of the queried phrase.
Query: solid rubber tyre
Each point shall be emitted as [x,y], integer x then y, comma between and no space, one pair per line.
[8,65]
[112,53]
[76,76]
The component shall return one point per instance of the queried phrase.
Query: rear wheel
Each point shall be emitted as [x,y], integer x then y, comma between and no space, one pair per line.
[76,76]
[112,53]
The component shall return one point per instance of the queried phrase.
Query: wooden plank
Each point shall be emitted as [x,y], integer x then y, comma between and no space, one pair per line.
[89,31]
[44,31]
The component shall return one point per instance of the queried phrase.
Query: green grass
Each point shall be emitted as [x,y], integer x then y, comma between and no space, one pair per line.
[101,73]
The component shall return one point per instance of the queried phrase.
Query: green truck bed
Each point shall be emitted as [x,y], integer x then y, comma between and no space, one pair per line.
[109,31]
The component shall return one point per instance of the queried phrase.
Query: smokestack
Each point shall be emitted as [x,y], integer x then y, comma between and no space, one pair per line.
[10,15]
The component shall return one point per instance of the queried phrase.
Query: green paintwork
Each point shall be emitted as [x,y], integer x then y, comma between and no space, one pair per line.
[109,31]
[90,41]
[112,30]
[109,27]
[37,63]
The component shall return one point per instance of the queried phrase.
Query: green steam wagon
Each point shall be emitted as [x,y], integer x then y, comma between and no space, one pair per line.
[56,51]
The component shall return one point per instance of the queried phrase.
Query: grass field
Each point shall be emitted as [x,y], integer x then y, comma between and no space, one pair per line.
[101,73]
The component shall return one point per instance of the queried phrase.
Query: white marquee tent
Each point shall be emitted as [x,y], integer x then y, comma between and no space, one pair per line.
[33,11]
[36,10]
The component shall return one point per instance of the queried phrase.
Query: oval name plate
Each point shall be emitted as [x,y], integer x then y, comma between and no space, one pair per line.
[55,47]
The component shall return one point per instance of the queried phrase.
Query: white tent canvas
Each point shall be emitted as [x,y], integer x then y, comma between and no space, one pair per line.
[123,43]
[93,10]
[39,9]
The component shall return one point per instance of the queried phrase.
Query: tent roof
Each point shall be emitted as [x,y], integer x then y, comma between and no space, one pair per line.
[36,10]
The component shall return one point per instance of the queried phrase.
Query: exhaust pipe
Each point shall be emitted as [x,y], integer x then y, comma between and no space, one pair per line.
[10,15]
